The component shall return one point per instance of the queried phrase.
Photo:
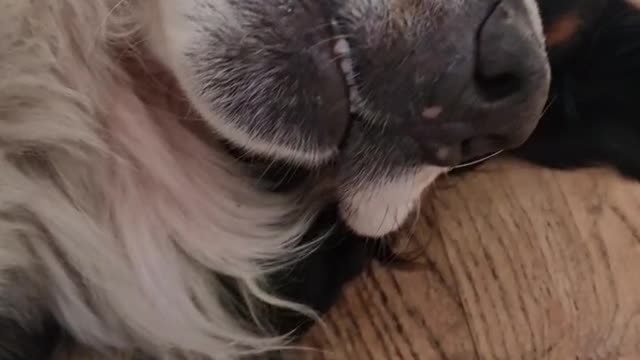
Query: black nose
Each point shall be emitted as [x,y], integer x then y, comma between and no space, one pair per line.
[507,84]
[505,59]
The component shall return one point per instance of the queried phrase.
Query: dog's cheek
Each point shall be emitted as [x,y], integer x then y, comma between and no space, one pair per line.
[255,77]
[173,28]
[166,30]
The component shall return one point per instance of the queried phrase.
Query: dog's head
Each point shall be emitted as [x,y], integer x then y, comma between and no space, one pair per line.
[390,92]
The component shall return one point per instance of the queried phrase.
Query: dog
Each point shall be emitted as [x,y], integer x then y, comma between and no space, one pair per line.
[591,119]
[138,142]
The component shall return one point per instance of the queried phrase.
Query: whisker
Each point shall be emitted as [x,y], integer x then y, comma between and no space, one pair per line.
[478,161]
[494,154]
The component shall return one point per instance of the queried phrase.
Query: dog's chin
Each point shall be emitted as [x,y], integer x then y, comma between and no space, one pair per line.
[379,210]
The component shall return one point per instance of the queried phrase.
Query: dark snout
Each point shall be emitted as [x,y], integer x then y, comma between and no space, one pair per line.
[507,81]
[469,83]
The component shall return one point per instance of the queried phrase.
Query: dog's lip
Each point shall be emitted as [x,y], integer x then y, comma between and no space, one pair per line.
[345,62]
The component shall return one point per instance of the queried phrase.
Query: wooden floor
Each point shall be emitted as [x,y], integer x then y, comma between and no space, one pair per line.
[520,263]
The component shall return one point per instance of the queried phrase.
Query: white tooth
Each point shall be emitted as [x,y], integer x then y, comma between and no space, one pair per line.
[347,66]
[341,47]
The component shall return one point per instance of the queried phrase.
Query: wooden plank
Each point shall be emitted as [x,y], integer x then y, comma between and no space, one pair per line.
[520,263]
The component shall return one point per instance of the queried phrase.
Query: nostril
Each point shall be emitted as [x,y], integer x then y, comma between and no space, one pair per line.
[497,87]
[502,56]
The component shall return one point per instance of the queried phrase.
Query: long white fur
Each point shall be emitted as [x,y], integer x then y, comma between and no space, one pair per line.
[106,198]
[114,213]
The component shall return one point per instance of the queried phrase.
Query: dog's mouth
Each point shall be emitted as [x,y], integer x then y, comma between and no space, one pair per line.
[343,54]
[342,51]
[369,105]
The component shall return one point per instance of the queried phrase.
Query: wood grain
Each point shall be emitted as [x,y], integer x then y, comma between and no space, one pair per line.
[519,263]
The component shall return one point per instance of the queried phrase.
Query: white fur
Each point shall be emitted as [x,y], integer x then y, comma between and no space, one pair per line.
[380,209]
[102,181]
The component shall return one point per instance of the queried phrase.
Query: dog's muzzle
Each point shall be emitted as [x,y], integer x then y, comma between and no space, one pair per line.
[474,86]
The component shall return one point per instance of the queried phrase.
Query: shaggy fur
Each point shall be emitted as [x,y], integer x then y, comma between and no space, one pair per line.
[109,207]
[129,218]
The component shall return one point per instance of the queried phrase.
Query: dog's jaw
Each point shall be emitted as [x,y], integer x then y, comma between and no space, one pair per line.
[377,211]
[235,80]
[179,35]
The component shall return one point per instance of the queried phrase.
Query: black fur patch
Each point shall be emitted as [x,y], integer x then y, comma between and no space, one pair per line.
[20,343]
[594,117]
